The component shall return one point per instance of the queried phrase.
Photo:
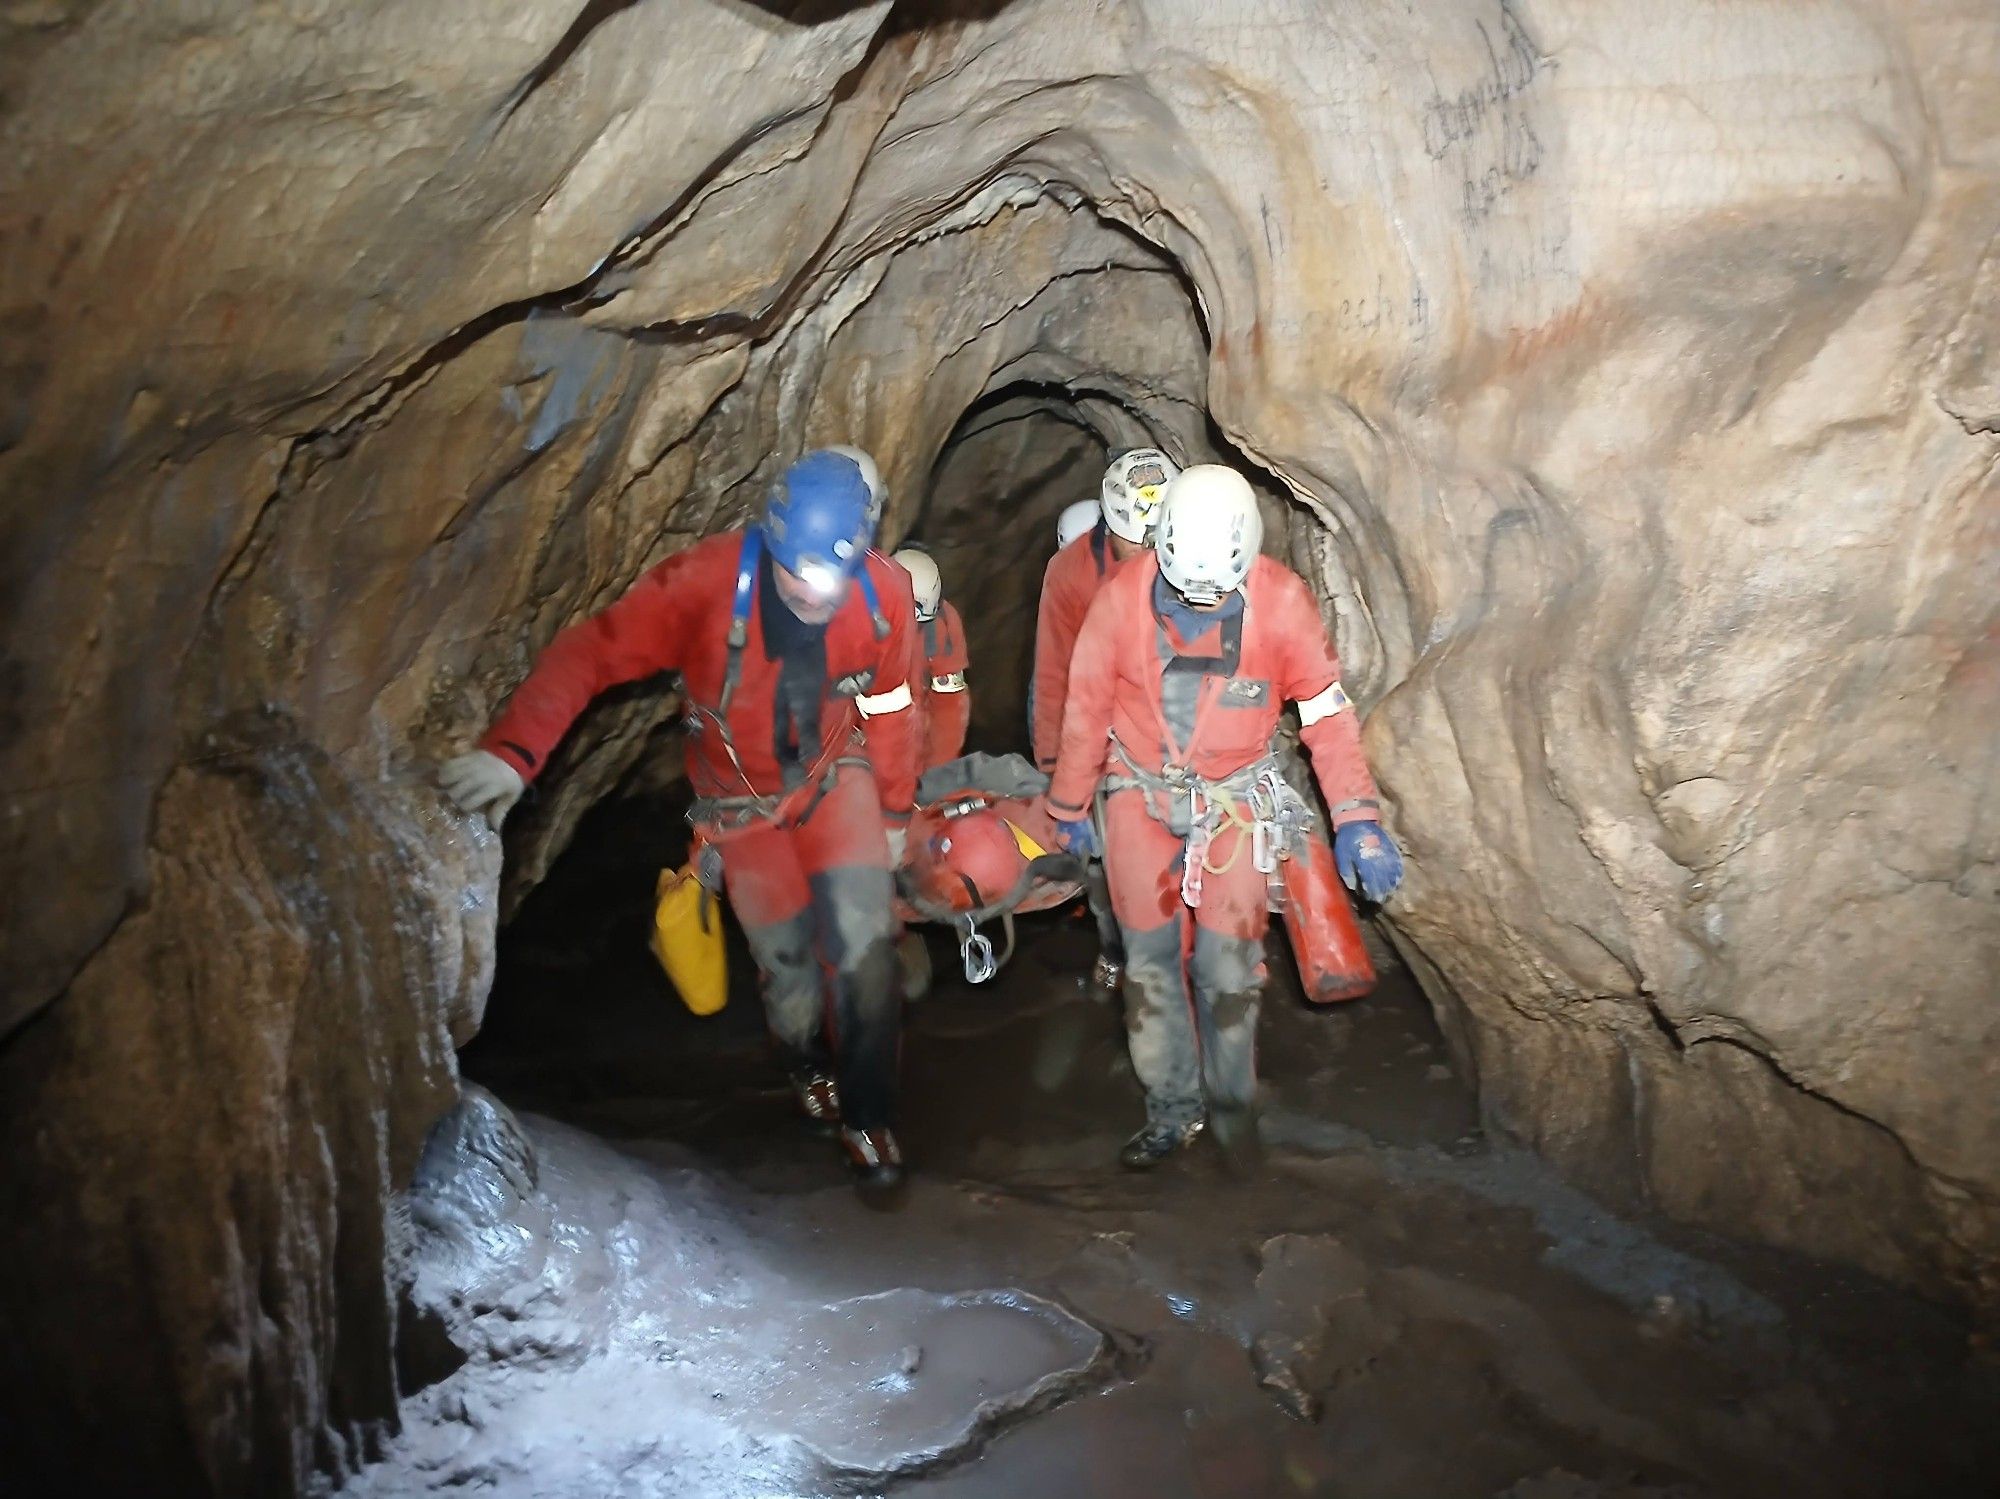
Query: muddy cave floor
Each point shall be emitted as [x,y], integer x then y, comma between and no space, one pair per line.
[1392,1304]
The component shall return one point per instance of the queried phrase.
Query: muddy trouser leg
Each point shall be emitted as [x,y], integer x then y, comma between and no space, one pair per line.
[1159,1025]
[1143,860]
[846,853]
[1227,970]
[1097,893]
[767,890]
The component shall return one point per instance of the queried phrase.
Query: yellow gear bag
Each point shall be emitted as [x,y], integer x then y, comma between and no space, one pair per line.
[687,939]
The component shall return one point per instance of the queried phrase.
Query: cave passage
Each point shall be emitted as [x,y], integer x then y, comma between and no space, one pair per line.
[641,1268]
[1392,1303]
[1622,382]
[1389,1303]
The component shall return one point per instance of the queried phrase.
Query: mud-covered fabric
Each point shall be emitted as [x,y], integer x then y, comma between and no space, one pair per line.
[1192,1029]
[1191,1021]
[996,775]
[815,903]
[1116,676]
[1097,894]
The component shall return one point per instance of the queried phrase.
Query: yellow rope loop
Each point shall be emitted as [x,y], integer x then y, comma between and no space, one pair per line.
[1233,815]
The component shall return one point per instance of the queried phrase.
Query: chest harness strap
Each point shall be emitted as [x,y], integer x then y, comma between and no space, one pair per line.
[701,717]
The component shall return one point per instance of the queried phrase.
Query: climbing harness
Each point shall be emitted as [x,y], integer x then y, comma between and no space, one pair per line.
[737,811]
[1257,801]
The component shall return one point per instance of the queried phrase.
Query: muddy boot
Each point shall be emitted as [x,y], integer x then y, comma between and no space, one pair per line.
[819,1097]
[1155,1143]
[1108,976]
[875,1156]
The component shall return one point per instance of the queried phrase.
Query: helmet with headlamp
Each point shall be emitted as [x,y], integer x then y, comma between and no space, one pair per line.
[925,581]
[816,524]
[1131,491]
[878,492]
[1209,533]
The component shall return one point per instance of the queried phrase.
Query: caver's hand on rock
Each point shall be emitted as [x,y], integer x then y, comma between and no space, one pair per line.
[1367,859]
[482,782]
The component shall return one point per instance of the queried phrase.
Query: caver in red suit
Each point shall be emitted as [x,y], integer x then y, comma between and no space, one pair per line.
[943,701]
[1128,500]
[803,759]
[948,702]
[1172,708]
[1069,585]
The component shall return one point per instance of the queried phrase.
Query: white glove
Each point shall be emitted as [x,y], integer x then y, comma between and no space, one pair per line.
[898,839]
[482,782]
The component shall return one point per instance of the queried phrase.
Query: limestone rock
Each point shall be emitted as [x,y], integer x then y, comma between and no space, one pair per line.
[1629,368]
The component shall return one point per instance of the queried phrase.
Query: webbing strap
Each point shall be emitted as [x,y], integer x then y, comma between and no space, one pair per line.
[739,616]
[1182,677]
[873,601]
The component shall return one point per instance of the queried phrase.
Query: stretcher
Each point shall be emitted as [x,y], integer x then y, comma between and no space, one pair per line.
[1007,785]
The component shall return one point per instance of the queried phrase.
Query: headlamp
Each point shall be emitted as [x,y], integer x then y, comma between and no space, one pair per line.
[821,578]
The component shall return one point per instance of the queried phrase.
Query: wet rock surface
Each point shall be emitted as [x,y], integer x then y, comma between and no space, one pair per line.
[1393,1303]
[621,1328]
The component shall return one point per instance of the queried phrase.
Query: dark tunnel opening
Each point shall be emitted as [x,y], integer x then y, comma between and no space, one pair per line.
[1012,463]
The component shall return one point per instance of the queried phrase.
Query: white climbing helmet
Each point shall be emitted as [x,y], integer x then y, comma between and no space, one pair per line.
[878,497]
[1075,520]
[1132,488]
[1209,533]
[924,579]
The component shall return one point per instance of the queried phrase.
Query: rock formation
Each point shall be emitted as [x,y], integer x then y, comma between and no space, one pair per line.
[1627,366]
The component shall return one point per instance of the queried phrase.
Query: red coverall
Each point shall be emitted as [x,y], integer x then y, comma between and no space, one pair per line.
[1074,576]
[948,706]
[1171,701]
[807,870]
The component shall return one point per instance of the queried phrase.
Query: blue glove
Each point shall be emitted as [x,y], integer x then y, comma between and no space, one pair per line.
[1367,860]
[1078,837]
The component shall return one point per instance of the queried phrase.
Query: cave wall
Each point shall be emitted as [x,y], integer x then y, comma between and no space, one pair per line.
[1630,365]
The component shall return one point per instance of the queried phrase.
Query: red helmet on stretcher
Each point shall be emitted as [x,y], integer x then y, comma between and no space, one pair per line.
[971,861]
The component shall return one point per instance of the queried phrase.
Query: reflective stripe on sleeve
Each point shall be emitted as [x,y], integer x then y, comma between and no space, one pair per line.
[1323,704]
[884,702]
[952,682]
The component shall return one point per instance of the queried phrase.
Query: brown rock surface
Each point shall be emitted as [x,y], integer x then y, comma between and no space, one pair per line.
[1631,364]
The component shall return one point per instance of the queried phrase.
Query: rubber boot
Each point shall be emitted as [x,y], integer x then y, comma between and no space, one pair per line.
[874,1155]
[818,1095]
[1155,1143]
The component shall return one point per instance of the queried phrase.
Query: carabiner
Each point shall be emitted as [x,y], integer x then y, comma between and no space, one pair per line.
[975,950]
[1194,861]
[1260,846]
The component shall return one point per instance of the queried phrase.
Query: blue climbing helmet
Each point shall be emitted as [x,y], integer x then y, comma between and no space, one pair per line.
[816,523]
